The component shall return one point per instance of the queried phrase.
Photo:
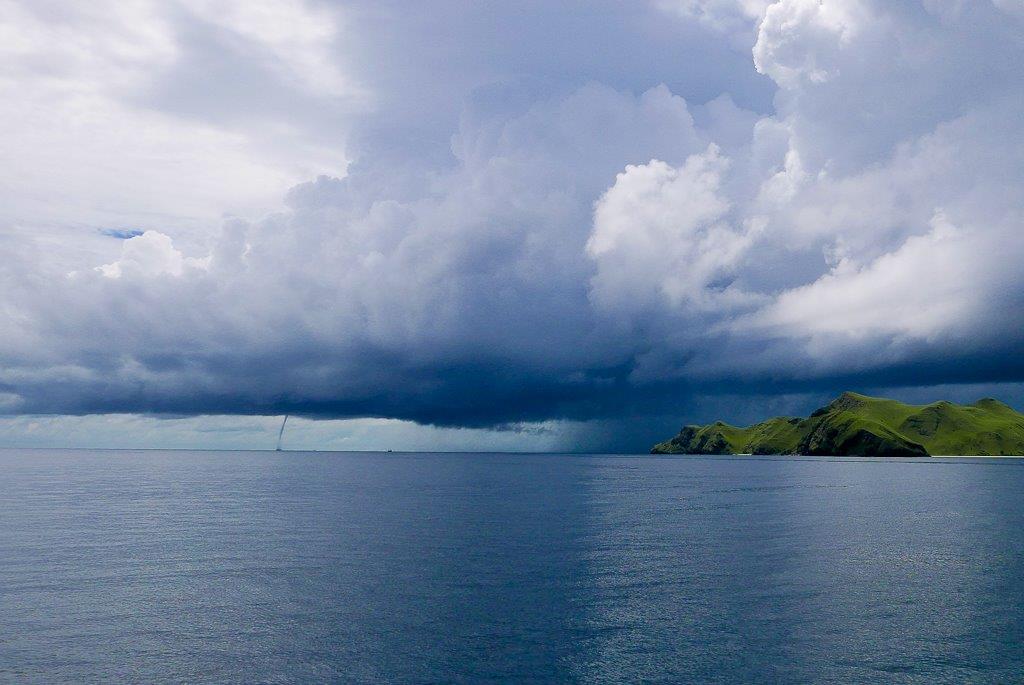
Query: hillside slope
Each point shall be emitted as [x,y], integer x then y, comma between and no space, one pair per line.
[858,425]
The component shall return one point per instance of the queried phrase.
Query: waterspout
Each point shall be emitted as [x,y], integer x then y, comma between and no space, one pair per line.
[280,433]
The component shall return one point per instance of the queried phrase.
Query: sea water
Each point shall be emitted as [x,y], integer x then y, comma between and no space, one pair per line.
[175,566]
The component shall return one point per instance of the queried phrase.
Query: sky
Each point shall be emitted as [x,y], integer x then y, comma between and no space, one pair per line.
[491,225]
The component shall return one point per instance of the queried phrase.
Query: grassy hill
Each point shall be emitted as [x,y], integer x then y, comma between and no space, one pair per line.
[858,425]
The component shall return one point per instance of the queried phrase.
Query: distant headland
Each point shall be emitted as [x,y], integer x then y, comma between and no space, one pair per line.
[862,426]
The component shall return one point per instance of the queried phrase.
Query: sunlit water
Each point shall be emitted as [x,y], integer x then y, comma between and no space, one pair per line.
[288,567]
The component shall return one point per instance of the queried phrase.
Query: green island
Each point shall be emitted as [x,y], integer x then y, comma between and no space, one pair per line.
[862,426]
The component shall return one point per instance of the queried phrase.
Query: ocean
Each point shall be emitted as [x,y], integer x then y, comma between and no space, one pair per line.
[250,567]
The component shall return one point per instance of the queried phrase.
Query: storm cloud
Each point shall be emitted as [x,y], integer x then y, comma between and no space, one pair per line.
[478,215]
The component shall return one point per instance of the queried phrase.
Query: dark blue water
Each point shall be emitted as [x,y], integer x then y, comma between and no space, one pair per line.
[289,567]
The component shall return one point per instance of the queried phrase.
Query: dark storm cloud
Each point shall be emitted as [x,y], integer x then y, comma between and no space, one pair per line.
[587,215]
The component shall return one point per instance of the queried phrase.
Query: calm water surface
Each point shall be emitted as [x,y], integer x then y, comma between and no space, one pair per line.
[288,567]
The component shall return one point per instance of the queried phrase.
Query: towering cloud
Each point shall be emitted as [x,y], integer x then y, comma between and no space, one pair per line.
[533,229]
